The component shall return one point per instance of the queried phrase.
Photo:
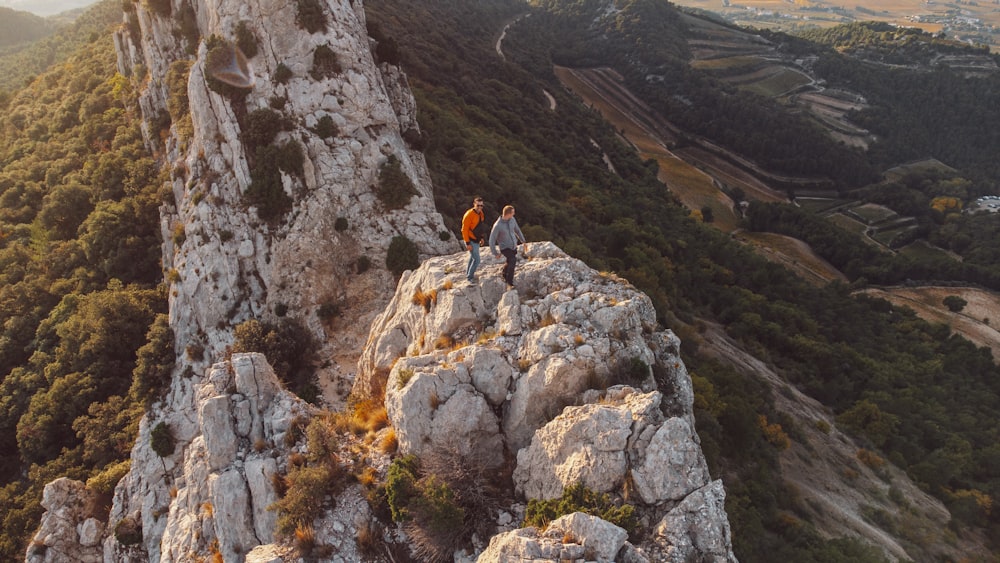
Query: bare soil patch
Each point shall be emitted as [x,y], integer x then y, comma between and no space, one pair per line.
[794,255]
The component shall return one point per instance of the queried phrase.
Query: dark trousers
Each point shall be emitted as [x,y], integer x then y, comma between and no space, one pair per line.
[508,271]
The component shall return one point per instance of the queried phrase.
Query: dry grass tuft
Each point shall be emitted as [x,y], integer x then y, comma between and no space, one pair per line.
[444,342]
[425,298]
[305,539]
[369,538]
[390,442]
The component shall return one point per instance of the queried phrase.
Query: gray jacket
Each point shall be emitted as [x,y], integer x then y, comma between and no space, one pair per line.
[505,234]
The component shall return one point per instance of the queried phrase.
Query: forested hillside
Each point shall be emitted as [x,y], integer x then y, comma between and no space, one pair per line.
[489,130]
[79,283]
[22,63]
[19,27]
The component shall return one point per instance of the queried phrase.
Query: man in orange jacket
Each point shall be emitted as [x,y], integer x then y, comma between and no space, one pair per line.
[474,235]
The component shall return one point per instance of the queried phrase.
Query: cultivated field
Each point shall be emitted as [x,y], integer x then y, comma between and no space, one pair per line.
[976,22]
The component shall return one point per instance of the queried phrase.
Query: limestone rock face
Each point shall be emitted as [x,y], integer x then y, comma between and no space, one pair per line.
[70,530]
[229,260]
[230,439]
[567,379]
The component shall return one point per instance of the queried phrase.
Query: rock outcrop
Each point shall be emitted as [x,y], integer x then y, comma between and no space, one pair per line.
[320,93]
[567,378]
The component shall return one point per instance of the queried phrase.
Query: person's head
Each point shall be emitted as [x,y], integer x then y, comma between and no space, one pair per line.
[477,203]
[508,211]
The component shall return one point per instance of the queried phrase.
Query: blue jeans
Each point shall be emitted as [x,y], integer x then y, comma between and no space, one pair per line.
[470,271]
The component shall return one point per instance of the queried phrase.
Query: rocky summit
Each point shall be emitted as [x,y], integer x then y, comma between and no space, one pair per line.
[567,379]
[564,381]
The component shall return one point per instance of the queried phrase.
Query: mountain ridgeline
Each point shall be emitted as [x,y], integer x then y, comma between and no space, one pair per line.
[81,199]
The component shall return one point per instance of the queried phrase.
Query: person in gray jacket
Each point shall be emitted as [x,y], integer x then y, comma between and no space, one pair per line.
[507,235]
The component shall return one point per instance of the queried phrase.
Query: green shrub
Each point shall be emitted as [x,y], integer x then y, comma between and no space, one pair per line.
[326,128]
[363,264]
[328,311]
[577,498]
[177,98]
[266,190]
[128,531]
[104,482]
[188,28]
[262,126]
[395,189]
[954,303]
[154,361]
[340,224]
[310,16]
[308,489]
[289,348]
[246,41]
[161,440]
[401,256]
[325,63]
[630,372]
[442,500]
[400,481]
[282,74]
[280,310]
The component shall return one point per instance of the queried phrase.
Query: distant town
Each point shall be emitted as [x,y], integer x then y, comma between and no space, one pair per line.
[972,22]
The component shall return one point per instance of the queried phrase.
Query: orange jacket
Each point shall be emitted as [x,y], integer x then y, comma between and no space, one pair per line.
[470,220]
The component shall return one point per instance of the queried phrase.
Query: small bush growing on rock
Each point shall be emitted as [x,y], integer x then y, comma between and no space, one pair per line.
[288,346]
[161,440]
[246,40]
[443,499]
[188,28]
[310,16]
[328,311]
[395,189]
[282,74]
[629,372]
[266,190]
[325,63]
[363,264]
[340,224]
[177,99]
[128,531]
[307,494]
[401,256]
[326,128]
[104,482]
[577,498]
[404,377]
[262,126]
